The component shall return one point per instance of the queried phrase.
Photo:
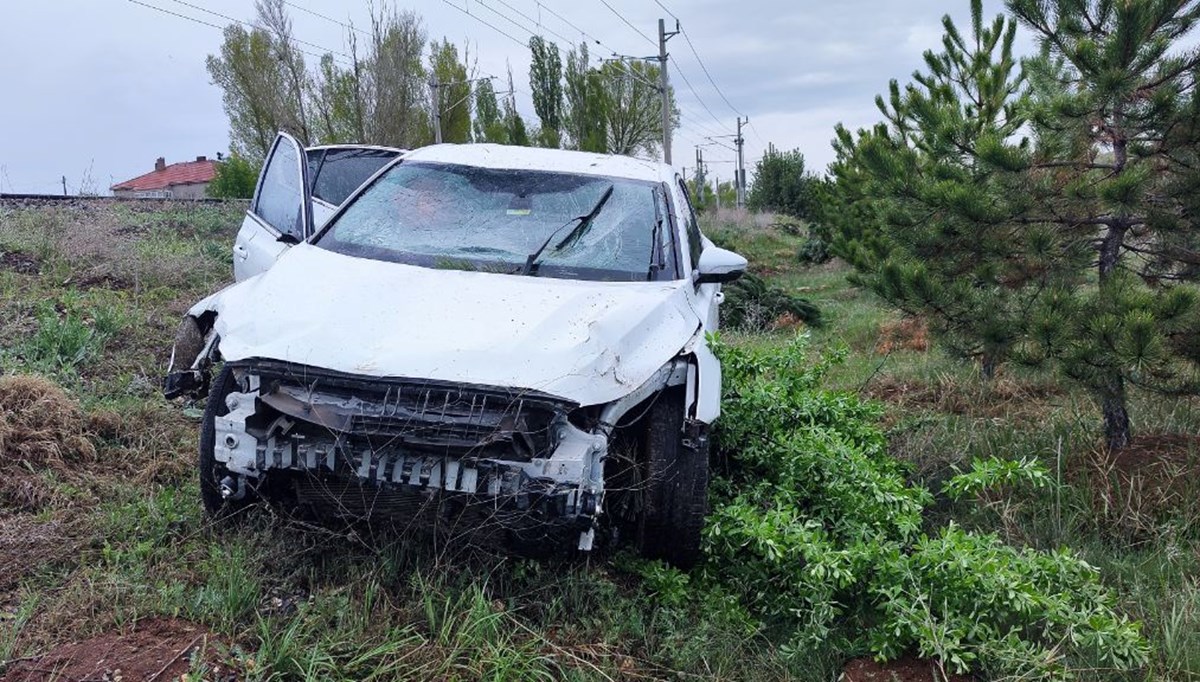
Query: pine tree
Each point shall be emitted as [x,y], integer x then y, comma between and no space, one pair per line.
[1042,213]
[920,199]
[1115,118]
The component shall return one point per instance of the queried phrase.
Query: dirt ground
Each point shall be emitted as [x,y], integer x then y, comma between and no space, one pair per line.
[151,651]
[902,670]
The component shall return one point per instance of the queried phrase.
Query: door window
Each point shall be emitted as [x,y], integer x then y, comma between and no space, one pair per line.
[345,170]
[280,200]
[691,227]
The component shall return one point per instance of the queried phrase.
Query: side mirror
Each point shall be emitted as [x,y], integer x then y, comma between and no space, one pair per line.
[719,265]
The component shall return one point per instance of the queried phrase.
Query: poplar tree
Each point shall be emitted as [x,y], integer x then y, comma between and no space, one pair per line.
[454,92]
[489,127]
[546,83]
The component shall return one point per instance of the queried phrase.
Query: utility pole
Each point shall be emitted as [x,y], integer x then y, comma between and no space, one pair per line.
[741,164]
[664,85]
[437,110]
[717,190]
[64,185]
[700,170]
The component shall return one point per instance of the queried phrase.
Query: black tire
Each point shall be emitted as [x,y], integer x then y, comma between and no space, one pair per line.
[212,471]
[675,485]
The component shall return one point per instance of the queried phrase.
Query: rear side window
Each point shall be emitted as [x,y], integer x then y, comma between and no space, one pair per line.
[281,198]
[344,170]
[691,227]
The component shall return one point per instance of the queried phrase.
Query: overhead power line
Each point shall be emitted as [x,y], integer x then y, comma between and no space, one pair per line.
[696,54]
[483,21]
[629,24]
[206,23]
[349,27]
[531,20]
[505,17]
[176,14]
[252,26]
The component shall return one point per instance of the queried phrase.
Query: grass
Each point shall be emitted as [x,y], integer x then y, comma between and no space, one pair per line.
[123,538]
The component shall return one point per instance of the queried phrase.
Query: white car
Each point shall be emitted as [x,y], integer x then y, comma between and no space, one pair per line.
[502,339]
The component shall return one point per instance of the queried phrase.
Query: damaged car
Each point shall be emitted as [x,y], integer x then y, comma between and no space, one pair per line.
[507,341]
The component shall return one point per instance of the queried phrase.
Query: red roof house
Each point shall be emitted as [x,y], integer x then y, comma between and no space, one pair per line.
[187,180]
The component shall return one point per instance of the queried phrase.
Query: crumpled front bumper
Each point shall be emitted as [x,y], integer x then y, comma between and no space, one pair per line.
[516,448]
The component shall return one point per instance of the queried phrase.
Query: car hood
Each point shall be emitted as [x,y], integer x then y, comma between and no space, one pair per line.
[589,342]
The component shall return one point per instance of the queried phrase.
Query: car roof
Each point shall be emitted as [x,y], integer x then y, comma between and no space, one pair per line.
[374,147]
[501,156]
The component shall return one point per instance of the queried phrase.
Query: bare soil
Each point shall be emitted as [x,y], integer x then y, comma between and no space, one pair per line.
[902,670]
[156,649]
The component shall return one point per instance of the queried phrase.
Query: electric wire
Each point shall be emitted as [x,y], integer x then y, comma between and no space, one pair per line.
[349,27]
[252,26]
[485,23]
[629,24]
[204,23]
[505,17]
[538,23]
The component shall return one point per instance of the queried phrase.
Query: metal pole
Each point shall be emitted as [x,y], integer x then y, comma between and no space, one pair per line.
[664,87]
[717,190]
[437,112]
[741,164]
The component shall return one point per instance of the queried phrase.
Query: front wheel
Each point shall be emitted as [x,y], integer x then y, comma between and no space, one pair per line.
[675,484]
[212,471]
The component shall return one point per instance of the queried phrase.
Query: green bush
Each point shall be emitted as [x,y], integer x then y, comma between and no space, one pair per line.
[816,527]
[814,250]
[752,304]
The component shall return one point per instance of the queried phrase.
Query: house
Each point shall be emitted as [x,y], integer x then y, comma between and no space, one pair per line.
[186,180]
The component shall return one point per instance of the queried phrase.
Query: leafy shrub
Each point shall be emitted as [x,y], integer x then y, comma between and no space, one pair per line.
[752,304]
[817,528]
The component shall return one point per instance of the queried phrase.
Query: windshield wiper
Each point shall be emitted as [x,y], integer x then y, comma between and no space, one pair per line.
[657,257]
[581,223]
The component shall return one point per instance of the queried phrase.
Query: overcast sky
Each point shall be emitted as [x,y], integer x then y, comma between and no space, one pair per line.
[97,89]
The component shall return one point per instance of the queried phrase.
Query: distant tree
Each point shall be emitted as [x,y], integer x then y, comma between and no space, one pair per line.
[632,107]
[254,90]
[397,82]
[489,126]
[546,82]
[339,101]
[704,198]
[584,122]
[235,178]
[273,18]
[454,92]
[514,125]
[781,184]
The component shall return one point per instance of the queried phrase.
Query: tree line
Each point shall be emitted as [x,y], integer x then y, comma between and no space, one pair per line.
[1042,210]
[394,84]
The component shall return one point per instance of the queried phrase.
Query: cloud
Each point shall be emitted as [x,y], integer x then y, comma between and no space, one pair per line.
[114,85]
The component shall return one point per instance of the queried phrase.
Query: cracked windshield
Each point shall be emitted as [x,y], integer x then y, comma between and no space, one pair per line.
[469,218]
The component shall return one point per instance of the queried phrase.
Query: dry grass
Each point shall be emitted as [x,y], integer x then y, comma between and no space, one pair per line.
[909,333]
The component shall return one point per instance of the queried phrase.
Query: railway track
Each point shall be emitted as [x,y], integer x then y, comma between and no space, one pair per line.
[18,198]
